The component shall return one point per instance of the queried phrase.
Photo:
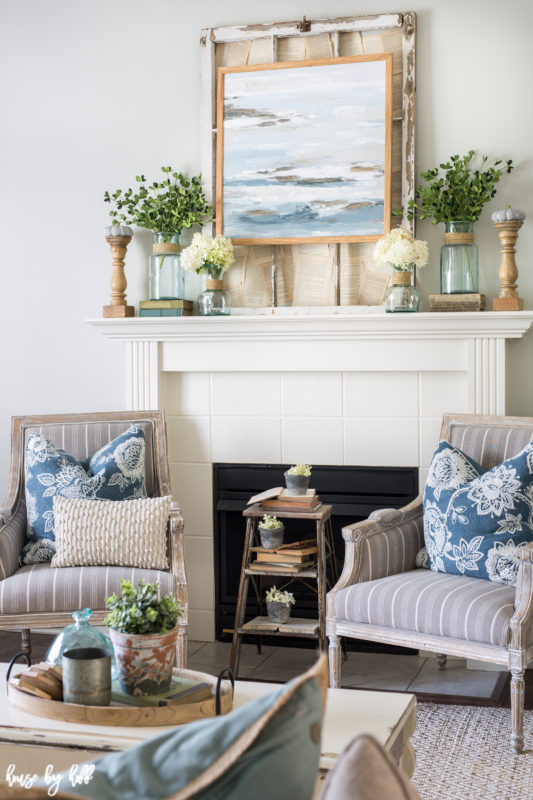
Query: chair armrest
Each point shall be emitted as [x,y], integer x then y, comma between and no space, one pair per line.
[12,540]
[177,557]
[385,544]
[523,602]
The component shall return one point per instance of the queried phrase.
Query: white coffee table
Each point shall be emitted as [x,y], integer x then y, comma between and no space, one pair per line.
[32,743]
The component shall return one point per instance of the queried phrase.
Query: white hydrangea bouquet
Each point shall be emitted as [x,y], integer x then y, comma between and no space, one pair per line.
[399,250]
[208,255]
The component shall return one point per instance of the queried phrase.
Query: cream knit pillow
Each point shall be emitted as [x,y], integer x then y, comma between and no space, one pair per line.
[128,533]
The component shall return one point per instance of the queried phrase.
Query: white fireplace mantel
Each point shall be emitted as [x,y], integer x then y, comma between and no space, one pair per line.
[350,342]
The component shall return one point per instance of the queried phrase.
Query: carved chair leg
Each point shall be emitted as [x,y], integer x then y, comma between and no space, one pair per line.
[26,641]
[334,662]
[181,649]
[517,710]
[441,660]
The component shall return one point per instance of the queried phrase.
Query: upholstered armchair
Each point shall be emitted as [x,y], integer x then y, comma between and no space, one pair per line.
[382,596]
[39,596]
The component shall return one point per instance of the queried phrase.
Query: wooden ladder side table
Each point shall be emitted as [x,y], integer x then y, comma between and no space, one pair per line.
[314,629]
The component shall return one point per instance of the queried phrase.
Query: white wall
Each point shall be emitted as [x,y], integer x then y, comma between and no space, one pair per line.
[93,93]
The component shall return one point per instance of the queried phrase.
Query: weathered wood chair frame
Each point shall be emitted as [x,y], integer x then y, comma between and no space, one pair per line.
[13,516]
[387,544]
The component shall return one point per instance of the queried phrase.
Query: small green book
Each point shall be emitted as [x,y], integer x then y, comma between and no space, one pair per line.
[183,690]
[166,304]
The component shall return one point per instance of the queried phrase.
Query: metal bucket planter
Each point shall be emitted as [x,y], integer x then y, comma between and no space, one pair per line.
[297,484]
[278,612]
[144,661]
[271,537]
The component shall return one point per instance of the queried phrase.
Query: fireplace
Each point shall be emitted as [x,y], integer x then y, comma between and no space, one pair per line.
[354,492]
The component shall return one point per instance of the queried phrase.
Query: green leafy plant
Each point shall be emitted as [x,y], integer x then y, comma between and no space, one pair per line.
[459,192]
[300,469]
[271,523]
[166,206]
[139,610]
[275,595]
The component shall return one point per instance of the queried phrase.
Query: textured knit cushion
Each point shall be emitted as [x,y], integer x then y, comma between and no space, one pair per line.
[365,771]
[268,748]
[421,601]
[476,521]
[115,472]
[111,533]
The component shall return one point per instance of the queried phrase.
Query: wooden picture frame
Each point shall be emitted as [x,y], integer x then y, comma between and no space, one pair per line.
[335,213]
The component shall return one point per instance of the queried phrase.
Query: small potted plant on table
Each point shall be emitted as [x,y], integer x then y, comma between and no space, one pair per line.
[297,479]
[143,630]
[279,605]
[271,531]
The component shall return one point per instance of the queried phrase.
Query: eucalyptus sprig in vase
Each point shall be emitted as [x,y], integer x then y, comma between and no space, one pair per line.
[455,193]
[164,207]
[400,251]
[211,257]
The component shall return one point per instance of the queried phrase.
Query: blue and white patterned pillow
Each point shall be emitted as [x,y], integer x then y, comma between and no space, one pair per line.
[116,472]
[476,521]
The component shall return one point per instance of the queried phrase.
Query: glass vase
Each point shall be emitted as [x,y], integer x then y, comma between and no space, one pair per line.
[459,268]
[80,634]
[214,301]
[167,276]
[403,294]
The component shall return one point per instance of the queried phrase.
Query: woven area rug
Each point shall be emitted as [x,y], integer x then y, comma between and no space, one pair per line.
[464,753]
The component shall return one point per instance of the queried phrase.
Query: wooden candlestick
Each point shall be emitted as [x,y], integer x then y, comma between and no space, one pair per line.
[118,306]
[508,299]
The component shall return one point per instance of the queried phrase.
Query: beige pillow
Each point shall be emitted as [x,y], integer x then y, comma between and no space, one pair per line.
[129,533]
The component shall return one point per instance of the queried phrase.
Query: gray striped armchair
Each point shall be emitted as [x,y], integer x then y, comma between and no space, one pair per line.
[381,596]
[39,596]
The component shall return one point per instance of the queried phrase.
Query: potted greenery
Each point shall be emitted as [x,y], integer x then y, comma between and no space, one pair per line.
[271,531]
[164,207]
[297,479]
[456,196]
[211,257]
[144,633]
[279,605]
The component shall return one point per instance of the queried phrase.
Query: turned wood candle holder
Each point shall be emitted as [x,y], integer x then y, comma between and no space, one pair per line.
[508,299]
[118,306]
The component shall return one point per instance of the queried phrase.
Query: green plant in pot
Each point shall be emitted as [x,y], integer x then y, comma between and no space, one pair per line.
[455,194]
[143,630]
[279,605]
[297,479]
[164,207]
[271,531]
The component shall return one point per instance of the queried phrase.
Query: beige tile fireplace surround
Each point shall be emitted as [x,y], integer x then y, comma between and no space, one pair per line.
[344,388]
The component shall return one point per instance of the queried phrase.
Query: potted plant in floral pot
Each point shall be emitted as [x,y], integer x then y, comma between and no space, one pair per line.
[297,479]
[401,252]
[455,194]
[271,531]
[279,605]
[143,630]
[164,207]
[211,257]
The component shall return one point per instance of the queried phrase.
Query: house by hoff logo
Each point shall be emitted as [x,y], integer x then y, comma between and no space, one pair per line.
[77,774]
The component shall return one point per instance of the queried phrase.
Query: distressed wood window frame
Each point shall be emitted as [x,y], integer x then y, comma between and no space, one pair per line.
[211,38]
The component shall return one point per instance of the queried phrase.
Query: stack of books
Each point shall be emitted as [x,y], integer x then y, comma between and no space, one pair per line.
[165,308]
[279,499]
[295,557]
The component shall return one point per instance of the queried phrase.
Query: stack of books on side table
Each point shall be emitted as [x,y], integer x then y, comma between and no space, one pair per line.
[279,499]
[295,557]
[165,308]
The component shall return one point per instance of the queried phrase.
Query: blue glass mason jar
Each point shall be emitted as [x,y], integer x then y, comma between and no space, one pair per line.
[167,276]
[403,294]
[459,261]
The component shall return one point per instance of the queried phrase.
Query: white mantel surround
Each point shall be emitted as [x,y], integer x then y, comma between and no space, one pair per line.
[334,388]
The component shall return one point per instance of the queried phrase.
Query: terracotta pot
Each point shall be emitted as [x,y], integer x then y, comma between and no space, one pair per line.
[144,660]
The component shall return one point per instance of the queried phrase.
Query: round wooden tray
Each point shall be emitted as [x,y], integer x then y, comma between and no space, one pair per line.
[126,716]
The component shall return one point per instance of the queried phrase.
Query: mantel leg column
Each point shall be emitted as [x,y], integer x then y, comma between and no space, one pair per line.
[486,376]
[143,377]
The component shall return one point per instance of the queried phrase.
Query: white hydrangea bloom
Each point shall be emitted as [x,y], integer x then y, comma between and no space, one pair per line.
[399,250]
[210,256]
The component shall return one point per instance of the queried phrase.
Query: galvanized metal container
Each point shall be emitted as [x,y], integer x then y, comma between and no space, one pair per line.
[87,676]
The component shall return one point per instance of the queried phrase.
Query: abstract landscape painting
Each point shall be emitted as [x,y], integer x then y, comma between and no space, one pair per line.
[303,151]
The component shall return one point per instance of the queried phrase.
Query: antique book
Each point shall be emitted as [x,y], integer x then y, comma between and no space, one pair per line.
[308,497]
[285,556]
[182,691]
[266,566]
[289,505]
[266,495]
[457,302]
[166,304]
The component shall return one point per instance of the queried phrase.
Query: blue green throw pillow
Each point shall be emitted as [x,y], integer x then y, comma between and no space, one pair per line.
[268,748]
[115,472]
[476,521]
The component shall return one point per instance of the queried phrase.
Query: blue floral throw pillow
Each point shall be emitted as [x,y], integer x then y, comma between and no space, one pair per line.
[116,472]
[476,521]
